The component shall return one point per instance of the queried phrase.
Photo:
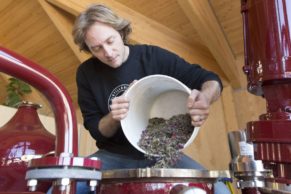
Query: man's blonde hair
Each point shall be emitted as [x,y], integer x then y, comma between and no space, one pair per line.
[98,13]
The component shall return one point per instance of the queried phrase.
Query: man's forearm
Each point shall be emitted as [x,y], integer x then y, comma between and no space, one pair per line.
[212,90]
[108,126]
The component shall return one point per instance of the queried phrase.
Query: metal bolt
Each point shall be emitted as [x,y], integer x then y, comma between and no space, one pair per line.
[238,184]
[94,158]
[65,154]
[63,183]
[32,183]
[93,184]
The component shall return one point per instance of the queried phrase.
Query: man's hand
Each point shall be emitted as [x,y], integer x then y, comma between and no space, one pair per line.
[110,123]
[199,101]
[119,108]
[198,105]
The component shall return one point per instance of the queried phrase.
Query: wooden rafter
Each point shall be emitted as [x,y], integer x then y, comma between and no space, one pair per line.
[64,24]
[205,22]
[148,31]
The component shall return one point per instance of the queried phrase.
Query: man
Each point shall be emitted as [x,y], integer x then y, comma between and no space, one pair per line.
[102,79]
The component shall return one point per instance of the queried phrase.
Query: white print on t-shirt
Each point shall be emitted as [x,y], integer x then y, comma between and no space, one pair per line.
[118,91]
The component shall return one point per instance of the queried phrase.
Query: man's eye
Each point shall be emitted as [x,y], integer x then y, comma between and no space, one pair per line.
[110,41]
[96,49]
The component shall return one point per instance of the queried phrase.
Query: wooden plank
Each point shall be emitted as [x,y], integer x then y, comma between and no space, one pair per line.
[147,31]
[5,4]
[3,83]
[64,23]
[228,14]
[204,21]
[167,13]
[229,109]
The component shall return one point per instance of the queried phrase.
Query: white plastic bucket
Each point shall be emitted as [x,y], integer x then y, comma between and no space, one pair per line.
[154,96]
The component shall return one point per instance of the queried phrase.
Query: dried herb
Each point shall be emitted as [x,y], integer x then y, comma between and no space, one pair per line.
[165,138]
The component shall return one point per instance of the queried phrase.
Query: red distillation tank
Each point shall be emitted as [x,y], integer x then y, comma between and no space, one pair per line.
[64,167]
[267,40]
[22,138]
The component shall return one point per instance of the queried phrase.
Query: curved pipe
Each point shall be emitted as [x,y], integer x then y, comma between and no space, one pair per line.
[60,101]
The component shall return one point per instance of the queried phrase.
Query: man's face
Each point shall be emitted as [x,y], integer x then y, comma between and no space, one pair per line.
[106,44]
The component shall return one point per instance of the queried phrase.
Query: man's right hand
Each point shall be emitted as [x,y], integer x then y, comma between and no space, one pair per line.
[119,107]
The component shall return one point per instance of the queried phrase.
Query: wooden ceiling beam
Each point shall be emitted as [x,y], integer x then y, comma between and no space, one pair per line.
[203,19]
[147,31]
[64,24]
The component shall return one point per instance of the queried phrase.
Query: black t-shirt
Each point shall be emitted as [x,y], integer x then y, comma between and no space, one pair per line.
[98,84]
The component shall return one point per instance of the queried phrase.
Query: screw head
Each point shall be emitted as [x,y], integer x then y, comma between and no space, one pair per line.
[63,181]
[32,183]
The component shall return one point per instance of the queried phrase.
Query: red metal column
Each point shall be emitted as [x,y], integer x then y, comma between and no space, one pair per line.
[267,28]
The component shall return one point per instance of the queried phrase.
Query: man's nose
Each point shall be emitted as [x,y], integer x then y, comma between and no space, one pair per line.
[107,51]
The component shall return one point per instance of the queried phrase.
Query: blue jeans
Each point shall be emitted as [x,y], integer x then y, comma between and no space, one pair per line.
[115,161]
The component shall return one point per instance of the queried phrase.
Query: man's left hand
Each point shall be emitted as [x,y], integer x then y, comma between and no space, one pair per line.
[198,105]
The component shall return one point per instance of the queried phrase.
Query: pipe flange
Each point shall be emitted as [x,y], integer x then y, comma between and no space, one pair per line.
[241,184]
[59,173]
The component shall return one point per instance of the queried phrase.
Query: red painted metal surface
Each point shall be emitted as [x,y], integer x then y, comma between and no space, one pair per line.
[150,187]
[23,135]
[21,193]
[66,161]
[159,180]
[66,124]
[267,43]
[250,191]
[267,35]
